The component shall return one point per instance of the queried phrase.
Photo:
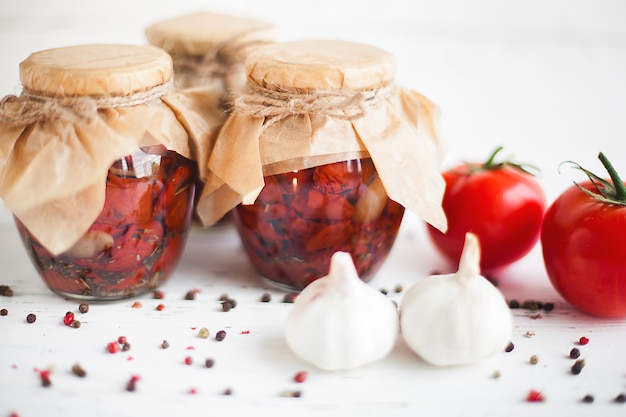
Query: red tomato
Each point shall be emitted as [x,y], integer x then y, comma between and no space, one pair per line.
[499,202]
[583,250]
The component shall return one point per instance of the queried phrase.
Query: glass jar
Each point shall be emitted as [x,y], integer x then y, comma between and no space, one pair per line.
[208,51]
[137,240]
[322,153]
[302,217]
[100,180]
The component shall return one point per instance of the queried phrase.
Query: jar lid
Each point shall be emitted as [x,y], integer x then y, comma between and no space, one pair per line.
[202,32]
[310,65]
[95,70]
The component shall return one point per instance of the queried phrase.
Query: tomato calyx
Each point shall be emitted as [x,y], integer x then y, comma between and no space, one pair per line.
[610,192]
[492,164]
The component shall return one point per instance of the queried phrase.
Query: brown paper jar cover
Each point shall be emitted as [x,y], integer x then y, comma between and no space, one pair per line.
[314,102]
[82,108]
[209,49]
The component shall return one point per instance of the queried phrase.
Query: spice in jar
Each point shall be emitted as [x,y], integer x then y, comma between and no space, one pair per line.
[99,179]
[324,152]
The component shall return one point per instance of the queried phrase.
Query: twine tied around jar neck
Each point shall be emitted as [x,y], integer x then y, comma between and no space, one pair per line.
[30,107]
[275,106]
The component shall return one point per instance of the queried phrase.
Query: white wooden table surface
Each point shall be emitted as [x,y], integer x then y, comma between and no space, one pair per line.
[545,79]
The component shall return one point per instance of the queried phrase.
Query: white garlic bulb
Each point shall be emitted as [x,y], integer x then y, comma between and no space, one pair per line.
[339,322]
[457,318]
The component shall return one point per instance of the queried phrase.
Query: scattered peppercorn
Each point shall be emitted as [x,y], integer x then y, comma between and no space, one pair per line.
[113,347]
[290,297]
[203,333]
[132,383]
[209,362]
[496,374]
[398,288]
[4,312]
[188,360]
[136,304]
[548,306]
[291,394]
[160,307]
[621,398]
[224,297]
[45,378]
[531,305]
[583,340]
[125,347]
[75,324]
[31,317]
[191,295]
[578,366]
[227,305]
[165,344]
[158,295]
[509,347]
[221,335]
[574,353]
[83,308]
[69,318]
[121,340]
[530,333]
[588,398]
[228,391]
[266,297]
[513,304]
[6,291]
[534,360]
[78,371]
[300,377]
[534,396]
[383,291]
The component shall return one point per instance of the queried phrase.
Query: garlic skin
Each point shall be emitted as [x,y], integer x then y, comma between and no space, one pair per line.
[459,318]
[338,322]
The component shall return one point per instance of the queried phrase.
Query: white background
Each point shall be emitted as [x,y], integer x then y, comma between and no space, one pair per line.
[545,79]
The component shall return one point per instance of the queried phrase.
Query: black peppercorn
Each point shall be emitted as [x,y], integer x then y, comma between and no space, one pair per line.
[509,347]
[83,308]
[78,371]
[191,295]
[4,312]
[548,306]
[588,398]
[513,304]
[266,297]
[574,353]
[578,366]
[6,291]
[30,318]
[209,362]
[221,335]
[621,398]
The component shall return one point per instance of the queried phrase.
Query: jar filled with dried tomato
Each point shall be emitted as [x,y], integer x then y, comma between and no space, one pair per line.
[209,50]
[323,153]
[97,170]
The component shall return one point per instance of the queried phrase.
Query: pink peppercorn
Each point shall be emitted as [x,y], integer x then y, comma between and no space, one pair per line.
[68,319]
[583,340]
[300,377]
[160,307]
[113,347]
[188,360]
[534,396]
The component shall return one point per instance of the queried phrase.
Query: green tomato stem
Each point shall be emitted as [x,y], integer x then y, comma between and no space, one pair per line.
[618,184]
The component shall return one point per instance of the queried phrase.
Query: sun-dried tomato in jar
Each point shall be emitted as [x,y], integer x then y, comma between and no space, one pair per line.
[302,217]
[100,178]
[323,153]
